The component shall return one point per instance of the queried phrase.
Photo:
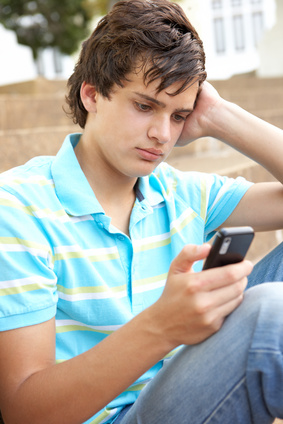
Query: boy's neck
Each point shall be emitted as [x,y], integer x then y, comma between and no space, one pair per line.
[116,195]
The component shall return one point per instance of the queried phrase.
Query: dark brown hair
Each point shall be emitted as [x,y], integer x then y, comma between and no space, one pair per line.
[153,34]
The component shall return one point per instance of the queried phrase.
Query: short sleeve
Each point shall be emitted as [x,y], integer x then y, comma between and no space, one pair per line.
[28,293]
[223,195]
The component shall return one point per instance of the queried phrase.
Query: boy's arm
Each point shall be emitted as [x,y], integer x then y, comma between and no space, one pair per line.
[33,389]
[262,205]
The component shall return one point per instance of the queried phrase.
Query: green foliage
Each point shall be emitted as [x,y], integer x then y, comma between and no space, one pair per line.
[48,23]
[101,6]
[51,23]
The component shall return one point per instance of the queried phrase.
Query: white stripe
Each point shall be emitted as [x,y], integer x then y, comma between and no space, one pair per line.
[75,219]
[90,296]
[151,239]
[159,206]
[21,282]
[88,252]
[147,287]
[22,248]
[43,214]
[176,223]
[11,197]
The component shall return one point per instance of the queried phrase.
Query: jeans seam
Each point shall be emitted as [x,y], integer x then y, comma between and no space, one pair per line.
[225,399]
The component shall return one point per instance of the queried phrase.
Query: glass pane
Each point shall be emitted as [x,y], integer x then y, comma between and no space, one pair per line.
[239,36]
[257,22]
[216,4]
[219,35]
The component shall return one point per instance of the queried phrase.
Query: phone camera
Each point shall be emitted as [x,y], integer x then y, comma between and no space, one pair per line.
[225,245]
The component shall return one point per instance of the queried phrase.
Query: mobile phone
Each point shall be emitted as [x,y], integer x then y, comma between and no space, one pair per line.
[230,246]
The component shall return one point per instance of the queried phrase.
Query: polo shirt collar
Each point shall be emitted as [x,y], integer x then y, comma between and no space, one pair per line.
[148,190]
[74,191]
[71,184]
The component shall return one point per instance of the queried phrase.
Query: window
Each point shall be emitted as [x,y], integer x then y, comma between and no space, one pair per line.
[239,36]
[219,35]
[256,1]
[236,3]
[216,4]
[257,23]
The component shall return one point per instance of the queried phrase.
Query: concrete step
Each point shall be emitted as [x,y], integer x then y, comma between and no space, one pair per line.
[18,146]
[261,96]
[248,82]
[38,85]
[22,111]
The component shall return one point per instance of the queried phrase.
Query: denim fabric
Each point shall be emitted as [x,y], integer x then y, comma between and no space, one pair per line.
[270,268]
[235,376]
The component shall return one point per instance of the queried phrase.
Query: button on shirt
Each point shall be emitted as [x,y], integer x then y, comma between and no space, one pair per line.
[61,256]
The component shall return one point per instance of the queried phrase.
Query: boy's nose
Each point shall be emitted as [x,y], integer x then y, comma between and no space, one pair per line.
[160,130]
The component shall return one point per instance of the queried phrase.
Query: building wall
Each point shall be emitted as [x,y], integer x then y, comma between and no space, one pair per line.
[270,49]
[232,32]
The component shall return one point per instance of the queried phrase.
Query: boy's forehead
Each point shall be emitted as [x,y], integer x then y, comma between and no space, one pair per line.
[136,87]
[137,79]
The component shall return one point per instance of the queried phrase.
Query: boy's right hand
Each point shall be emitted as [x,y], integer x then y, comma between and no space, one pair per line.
[193,306]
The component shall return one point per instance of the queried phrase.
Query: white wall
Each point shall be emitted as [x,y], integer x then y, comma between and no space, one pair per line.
[16,61]
[17,64]
[271,48]
[223,65]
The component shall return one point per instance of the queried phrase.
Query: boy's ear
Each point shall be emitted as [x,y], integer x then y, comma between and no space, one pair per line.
[88,97]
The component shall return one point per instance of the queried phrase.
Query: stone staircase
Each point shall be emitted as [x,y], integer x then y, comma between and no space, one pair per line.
[33,122]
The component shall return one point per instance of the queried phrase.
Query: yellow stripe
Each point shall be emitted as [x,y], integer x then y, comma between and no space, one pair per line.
[27,243]
[19,181]
[68,328]
[101,417]
[89,289]
[22,289]
[31,209]
[180,226]
[150,280]
[136,387]
[174,230]
[83,254]
[153,245]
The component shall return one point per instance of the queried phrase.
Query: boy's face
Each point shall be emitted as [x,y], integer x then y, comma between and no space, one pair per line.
[137,128]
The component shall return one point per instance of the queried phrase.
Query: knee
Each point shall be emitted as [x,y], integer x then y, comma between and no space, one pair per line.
[266,300]
[267,292]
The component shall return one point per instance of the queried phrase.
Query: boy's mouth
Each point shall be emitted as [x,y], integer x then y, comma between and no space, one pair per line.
[150,154]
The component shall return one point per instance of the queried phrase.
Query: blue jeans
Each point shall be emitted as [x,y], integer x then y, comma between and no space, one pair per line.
[235,376]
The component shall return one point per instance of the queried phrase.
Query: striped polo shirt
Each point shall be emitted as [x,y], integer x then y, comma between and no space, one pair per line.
[61,256]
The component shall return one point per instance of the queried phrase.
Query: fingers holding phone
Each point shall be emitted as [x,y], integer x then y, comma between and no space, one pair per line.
[230,246]
[193,306]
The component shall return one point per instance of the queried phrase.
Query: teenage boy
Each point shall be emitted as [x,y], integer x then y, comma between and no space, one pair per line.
[101,247]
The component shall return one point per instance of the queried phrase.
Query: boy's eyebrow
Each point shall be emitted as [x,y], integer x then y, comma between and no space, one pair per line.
[159,103]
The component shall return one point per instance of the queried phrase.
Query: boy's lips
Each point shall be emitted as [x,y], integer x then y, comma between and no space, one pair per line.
[150,154]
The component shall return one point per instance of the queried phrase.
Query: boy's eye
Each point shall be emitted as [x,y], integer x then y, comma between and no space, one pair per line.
[143,107]
[179,118]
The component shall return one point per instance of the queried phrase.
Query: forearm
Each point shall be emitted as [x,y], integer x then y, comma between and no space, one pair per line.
[250,135]
[73,391]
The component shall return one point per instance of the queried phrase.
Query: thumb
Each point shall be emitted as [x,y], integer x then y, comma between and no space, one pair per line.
[188,255]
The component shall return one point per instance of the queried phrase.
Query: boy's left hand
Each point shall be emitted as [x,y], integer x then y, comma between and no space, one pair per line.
[199,123]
